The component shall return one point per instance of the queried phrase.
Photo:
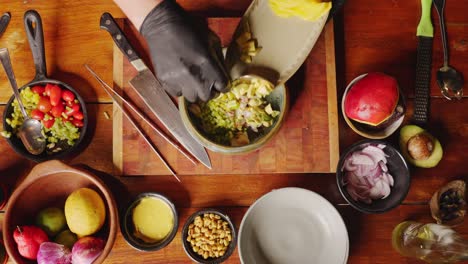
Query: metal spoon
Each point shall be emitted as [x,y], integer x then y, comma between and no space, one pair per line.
[449,80]
[30,131]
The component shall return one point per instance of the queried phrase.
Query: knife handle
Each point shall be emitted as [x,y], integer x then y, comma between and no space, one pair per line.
[108,23]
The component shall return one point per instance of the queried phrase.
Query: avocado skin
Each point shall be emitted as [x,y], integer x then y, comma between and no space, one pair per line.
[408,132]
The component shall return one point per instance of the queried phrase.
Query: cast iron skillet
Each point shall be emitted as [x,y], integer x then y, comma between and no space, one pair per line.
[33,27]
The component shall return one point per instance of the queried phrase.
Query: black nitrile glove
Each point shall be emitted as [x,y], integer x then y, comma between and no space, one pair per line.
[183,59]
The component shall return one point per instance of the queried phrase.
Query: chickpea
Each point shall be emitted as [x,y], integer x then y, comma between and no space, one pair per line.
[209,236]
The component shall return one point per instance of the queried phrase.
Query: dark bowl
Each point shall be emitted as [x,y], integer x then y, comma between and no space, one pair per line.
[127,227]
[188,248]
[18,146]
[397,167]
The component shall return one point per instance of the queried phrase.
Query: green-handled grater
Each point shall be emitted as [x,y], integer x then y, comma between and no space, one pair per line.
[425,33]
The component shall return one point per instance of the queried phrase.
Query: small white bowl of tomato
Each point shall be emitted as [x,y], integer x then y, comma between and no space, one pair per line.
[62,113]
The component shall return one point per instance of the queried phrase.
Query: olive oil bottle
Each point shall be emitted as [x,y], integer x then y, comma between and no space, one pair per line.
[432,243]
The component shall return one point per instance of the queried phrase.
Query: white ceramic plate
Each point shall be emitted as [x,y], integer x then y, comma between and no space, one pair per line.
[292,225]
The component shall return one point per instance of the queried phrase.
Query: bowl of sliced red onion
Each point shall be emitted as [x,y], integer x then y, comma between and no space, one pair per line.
[373,176]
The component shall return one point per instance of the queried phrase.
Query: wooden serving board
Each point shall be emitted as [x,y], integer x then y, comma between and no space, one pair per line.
[306,143]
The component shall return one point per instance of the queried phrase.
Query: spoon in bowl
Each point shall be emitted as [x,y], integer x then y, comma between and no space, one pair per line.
[30,131]
[449,80]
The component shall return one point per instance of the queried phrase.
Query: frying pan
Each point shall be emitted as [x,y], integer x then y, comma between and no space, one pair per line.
[35,35]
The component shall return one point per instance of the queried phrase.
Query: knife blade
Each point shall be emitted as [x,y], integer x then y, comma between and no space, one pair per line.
[119,104]
[425,34]
[153,94]
[4,20]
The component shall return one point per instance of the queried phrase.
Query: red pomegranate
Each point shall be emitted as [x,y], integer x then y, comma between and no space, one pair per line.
[373,99]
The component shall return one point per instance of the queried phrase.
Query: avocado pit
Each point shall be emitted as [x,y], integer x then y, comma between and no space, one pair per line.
[420,146]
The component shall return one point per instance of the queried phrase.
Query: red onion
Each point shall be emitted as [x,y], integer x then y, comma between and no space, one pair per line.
[87,249]
[50,252]
[366,174]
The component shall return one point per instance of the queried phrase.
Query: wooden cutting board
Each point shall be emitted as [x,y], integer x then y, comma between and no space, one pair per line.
[306,143]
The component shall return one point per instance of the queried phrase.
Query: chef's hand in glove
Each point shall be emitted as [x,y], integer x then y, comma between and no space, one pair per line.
[183,58]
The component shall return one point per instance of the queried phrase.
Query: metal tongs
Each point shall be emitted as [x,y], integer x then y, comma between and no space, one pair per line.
[119,100]
[4,20]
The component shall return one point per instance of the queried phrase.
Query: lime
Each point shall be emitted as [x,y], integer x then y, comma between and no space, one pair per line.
[51,220]
[66,238]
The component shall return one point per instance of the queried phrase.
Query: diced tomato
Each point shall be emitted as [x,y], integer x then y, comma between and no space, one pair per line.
[47,89]
[37,114]
[55,95]
[78,115]
[44,104]
[48,123]
[77,123]
[57,110]
[38,89]
[71,108]
[68,96]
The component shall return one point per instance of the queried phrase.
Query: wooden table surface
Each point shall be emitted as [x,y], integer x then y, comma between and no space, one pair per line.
[369,36]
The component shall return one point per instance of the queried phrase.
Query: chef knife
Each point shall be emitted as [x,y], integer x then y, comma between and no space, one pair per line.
[425,33]
[153,94]
[4,20]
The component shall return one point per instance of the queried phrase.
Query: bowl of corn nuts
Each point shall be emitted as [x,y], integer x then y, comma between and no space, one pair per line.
[209,236]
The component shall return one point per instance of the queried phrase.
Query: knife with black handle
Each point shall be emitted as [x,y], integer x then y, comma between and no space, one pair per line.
[425,33]
[153,94]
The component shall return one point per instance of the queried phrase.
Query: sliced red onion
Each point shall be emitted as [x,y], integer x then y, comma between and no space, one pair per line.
[383,166]
[348,165]
[381,146]
[366,174]
[390,179]
[376,153]
[360,158]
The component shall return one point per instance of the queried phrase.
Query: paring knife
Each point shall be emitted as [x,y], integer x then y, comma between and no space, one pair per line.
[4,20]
[425,33]
[153,94]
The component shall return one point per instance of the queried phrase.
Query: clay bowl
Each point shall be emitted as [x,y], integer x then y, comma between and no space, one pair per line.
[278,98]
[49,184]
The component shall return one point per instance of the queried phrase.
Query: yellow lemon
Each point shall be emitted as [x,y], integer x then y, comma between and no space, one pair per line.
[306,9]
[85,212]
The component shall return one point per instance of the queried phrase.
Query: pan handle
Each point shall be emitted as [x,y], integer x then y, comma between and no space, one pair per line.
[33,27]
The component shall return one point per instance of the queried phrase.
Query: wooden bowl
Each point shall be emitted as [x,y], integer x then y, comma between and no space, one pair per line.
[49,184]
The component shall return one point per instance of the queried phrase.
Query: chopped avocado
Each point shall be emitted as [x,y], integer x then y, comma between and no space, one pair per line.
[419,147]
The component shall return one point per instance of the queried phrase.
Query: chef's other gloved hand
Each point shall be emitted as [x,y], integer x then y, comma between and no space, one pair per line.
[182,56]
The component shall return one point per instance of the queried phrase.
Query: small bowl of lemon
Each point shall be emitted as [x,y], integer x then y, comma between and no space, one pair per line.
[150,222]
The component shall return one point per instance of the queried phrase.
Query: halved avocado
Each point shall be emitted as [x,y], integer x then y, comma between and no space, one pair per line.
[424,149]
